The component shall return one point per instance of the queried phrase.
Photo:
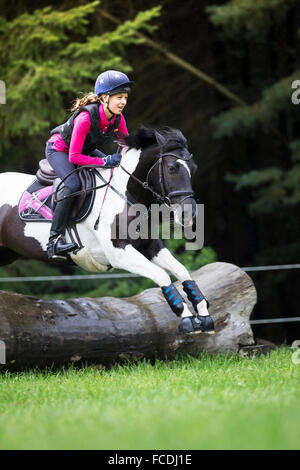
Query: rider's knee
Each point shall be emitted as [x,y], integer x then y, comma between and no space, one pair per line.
[73,184]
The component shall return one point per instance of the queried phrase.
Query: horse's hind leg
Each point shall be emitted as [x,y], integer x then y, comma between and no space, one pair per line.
[7,256]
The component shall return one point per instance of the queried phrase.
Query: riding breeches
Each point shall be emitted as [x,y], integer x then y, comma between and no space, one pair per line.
[62,167]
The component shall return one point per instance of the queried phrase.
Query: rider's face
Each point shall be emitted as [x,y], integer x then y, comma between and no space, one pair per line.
[116,102]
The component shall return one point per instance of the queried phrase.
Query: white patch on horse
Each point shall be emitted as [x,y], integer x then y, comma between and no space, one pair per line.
[40,231]
[166,260]
[99,241]
[202,308]
[114,204]
[183,163]
[133,261]
[186,312]
[12,187]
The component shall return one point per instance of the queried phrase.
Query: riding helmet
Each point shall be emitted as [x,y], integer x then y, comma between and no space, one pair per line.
[112,82]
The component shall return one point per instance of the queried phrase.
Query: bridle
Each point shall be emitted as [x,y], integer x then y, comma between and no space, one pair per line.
[164,196]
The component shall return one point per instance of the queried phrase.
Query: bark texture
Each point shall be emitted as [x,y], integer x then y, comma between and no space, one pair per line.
[107,330]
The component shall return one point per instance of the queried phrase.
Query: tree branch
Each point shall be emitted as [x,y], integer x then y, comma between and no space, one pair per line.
[182,63]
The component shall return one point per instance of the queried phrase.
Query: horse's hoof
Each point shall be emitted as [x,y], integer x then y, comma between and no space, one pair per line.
[186,326]
[197,324]
[207,324]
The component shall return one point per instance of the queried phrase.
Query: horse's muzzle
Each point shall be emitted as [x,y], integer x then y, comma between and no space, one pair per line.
[185,212]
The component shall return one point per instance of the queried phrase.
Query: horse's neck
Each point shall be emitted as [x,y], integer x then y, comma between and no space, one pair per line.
[130,161]
[120,178]
[139,168]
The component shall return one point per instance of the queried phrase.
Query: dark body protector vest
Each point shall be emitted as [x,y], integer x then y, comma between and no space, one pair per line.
[95,138]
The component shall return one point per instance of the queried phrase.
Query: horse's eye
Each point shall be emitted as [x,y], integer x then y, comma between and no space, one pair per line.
[173,169]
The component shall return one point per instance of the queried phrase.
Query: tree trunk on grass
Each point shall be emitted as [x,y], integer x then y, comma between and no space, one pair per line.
[107,330]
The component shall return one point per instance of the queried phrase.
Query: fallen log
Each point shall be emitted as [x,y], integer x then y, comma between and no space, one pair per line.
[103,331]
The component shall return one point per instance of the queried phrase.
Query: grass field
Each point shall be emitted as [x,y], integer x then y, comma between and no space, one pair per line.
[192,403]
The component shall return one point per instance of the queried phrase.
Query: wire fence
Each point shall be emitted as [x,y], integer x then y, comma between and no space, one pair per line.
[126,275]
[130,275]
[73,277]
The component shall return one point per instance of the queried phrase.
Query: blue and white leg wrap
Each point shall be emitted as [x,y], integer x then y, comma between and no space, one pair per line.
[174,299]
[189,323]
[193,293]
[202,322]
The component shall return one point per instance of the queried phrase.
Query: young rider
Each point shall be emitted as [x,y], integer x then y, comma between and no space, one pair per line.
[96,117]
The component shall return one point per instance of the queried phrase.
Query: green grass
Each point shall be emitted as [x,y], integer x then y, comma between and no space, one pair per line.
[192,403]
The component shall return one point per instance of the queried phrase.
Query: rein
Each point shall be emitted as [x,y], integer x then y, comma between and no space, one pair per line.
[81,191]
[163,197]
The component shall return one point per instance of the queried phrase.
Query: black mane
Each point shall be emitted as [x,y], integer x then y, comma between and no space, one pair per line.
[168,139]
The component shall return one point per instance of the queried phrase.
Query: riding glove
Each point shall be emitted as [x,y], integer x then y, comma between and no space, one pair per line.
[112,160]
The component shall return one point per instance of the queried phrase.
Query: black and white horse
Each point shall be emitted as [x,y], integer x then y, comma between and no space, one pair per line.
[156,166]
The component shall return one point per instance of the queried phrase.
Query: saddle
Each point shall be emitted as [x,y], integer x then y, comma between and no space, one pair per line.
[38,200]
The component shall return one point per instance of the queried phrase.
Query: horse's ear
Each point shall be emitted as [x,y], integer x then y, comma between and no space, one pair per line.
[160,139]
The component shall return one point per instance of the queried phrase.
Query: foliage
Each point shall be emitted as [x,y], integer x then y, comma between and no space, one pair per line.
[275,187]
[32,46]
[255,16]
[204,402]
[295,150]
[29,268]
[261,115]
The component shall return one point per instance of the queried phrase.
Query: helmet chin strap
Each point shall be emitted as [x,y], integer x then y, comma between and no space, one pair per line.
[107,106]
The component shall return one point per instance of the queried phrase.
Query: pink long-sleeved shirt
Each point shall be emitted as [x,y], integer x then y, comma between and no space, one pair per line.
[82,125]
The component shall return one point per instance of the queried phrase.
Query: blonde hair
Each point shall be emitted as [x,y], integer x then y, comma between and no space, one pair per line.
[86,99]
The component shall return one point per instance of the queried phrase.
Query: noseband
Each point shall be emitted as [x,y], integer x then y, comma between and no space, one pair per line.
[163,196]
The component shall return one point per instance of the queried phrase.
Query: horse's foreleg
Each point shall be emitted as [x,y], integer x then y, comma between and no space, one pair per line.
[134,261]
[164,258]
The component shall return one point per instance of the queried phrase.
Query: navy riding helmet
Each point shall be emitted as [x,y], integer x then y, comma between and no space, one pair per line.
[112,82]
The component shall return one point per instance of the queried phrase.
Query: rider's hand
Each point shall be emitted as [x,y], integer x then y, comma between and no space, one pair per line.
[112,160]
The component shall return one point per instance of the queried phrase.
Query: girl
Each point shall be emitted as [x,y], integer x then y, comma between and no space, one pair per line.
[96,117]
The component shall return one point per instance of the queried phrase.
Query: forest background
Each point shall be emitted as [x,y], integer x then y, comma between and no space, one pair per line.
[220,71]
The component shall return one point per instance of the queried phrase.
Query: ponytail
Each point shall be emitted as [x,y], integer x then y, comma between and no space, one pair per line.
[86,99]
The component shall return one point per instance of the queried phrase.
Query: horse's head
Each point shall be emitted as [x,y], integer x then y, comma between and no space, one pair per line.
[167,166]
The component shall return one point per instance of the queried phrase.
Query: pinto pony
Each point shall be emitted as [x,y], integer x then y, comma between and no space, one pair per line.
[156,166]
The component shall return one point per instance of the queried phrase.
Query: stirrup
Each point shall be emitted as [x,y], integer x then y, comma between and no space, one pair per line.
[56,252]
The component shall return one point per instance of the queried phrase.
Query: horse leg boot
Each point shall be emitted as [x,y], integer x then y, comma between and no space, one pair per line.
[57,246]
[189,323]
[203,320]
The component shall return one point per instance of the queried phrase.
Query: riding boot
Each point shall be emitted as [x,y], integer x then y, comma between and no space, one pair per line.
[57,246]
